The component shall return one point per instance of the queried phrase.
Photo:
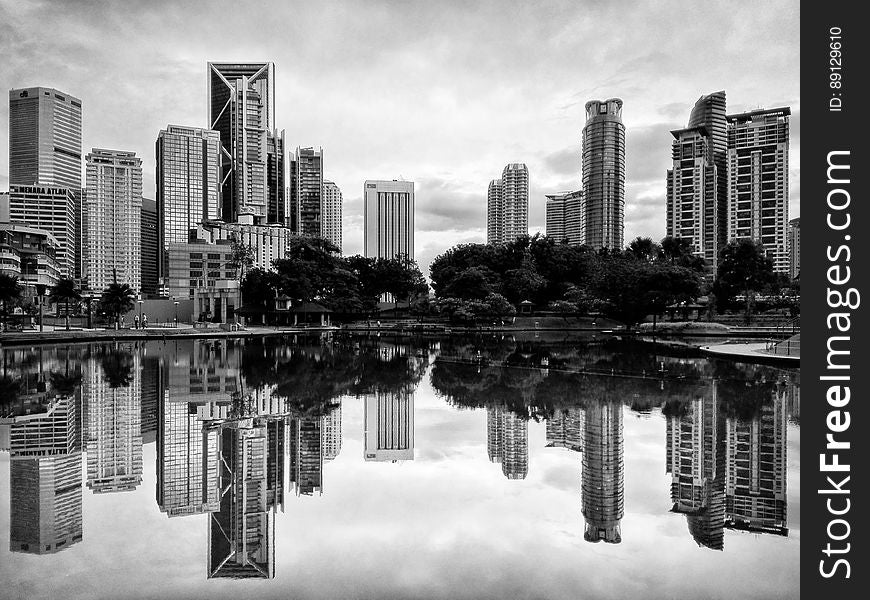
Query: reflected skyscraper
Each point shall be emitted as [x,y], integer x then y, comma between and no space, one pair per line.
[755,483]
[603,484]
[507,442]
[306,455]
[241,534]
[45,485]
[695,458]
[113,393]
[187,461]
[389,426]
[330,427]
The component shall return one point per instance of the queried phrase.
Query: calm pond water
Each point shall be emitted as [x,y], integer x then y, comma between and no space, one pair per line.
[380,467]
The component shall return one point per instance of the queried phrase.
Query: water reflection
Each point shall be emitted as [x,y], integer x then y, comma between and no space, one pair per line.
[238,421]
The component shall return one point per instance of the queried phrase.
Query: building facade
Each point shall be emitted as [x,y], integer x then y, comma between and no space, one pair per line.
[388,213]
[241,108]
[188,183]
[508,205]
[51,209]
[794,248]
[758,180]
[268,241]
[603,156]
[114,210]
[149,257]
[29,254]
[566,217]
[306,191]
[330,221]
[697,185]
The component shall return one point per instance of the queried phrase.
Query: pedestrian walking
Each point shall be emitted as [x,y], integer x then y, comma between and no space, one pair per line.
[136,322]
[144,321]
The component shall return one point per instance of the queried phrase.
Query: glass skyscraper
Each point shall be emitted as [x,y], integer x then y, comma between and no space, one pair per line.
[604,173]
[306,192]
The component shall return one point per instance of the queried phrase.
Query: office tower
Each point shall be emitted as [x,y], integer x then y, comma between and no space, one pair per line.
[114,208]
[566,217]
[331,219]
[241,533]
[112,391]
[507,442]
[330,427]
[276,158]
[794,248]
[604,173]
[603,484]
[45,485]
[50,209]
[695,458]
[187,462]
[306,455]
[507,210]
[755,480]
[45,138]
[188,183]
[697,185]
[153,384]
[388,212]
[389,426]
[149,257]
[494,212]
[758,180]
[306,191]
[241,107]
[566,429]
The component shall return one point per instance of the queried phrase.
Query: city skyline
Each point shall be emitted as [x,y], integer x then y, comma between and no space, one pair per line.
[544,111]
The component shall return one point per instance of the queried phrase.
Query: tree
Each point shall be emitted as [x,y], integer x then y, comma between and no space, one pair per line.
[258,288]
[678,252]
[242,256]
[745,268]
[643,248]
[64,291]
[116,300]
[10,292]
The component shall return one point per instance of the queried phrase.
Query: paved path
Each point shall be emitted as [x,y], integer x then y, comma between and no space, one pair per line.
[754,352]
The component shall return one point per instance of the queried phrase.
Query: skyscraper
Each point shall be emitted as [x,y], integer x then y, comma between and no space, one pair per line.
[149,257]
[566,217]
[697,185]
[388,208]
[603,484]
[331,219]
[603,157]
[389,426]
[507,442]
[330,427]
[758,180]
[241,107]
[306,191]
[508,205]
[794,247]
[188,183]
[566,429]
[45,138]
[51,209]
[114,209]
[306,455]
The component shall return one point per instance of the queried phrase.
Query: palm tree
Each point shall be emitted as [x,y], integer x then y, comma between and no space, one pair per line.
[10,291]
[117,299]
[64,291]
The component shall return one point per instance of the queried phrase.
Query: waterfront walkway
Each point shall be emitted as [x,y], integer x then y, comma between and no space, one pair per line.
[752,352]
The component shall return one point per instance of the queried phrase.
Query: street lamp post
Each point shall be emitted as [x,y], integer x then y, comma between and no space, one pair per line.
[40,292]
[176,313]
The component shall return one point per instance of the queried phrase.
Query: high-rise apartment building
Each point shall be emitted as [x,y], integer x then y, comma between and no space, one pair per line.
[566,429]
[149,257]
[241,108]
[389,426]
[566,217]
[603,479]
[330,220]
[603,156]
[697,185]
[306,191]
[330,427]
[508,205]
[388,208]
[51,209]
[758,180]
[794,247]
[45,138]
[188,183]
[507,442]
[114,209]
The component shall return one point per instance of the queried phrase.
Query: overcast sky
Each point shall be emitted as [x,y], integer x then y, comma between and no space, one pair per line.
[441,93]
